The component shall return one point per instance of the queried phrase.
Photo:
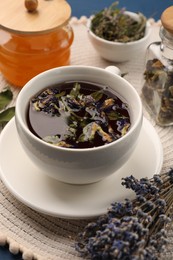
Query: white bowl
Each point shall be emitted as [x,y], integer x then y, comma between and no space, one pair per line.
[78,166]
[118,51]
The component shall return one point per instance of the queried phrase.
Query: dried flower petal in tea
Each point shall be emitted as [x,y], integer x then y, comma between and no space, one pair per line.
[78,115]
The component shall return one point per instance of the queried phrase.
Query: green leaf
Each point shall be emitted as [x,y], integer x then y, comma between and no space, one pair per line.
[7,114]
[113,115]
[75,90]
[97,95]
[62,93]
[5,98]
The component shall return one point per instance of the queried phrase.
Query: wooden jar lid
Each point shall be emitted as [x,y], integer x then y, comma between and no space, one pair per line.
[49,15]
[167,19]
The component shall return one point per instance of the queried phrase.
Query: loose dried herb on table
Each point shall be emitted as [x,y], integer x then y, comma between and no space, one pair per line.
[6,113]
[114,24]
[133,229]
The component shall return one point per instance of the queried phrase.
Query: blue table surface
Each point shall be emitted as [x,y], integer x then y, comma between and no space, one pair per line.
[6,255]
[150,8]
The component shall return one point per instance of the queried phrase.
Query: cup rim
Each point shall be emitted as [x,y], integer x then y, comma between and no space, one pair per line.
[19,119]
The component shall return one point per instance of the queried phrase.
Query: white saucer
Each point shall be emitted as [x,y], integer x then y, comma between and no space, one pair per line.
[54,198]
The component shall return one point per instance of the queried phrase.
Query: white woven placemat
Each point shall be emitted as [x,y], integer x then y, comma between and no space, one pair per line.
[43,237]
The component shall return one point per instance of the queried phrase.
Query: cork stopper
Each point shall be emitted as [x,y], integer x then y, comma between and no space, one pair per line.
[49,15]
[167,19]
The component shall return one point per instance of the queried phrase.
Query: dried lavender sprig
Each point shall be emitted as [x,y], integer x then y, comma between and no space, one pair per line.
[133,229]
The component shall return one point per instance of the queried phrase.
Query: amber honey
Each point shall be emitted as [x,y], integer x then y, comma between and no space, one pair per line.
[24,56]
[33,42]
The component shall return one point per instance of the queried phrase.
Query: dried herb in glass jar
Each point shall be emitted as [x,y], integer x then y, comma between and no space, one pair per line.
[157,91]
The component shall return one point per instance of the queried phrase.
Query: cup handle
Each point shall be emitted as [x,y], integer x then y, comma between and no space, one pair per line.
[114,70]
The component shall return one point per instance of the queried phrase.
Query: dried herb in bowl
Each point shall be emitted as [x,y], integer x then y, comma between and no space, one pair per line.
[115,25]
[133,229]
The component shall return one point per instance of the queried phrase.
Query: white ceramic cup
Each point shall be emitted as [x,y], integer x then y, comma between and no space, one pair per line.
[79,166]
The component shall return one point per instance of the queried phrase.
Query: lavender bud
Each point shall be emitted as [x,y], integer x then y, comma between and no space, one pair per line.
[161,203]
[157,179]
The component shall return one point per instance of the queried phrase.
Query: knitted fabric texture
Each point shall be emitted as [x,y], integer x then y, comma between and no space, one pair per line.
[40,236]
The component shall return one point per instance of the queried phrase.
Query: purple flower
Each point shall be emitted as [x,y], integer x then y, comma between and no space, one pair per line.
[132,229]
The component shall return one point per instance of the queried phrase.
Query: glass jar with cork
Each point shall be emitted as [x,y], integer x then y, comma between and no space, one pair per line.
[157,90]
[35,35]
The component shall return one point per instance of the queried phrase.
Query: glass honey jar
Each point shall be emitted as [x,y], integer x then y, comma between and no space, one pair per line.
[157,90]
[32,42]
